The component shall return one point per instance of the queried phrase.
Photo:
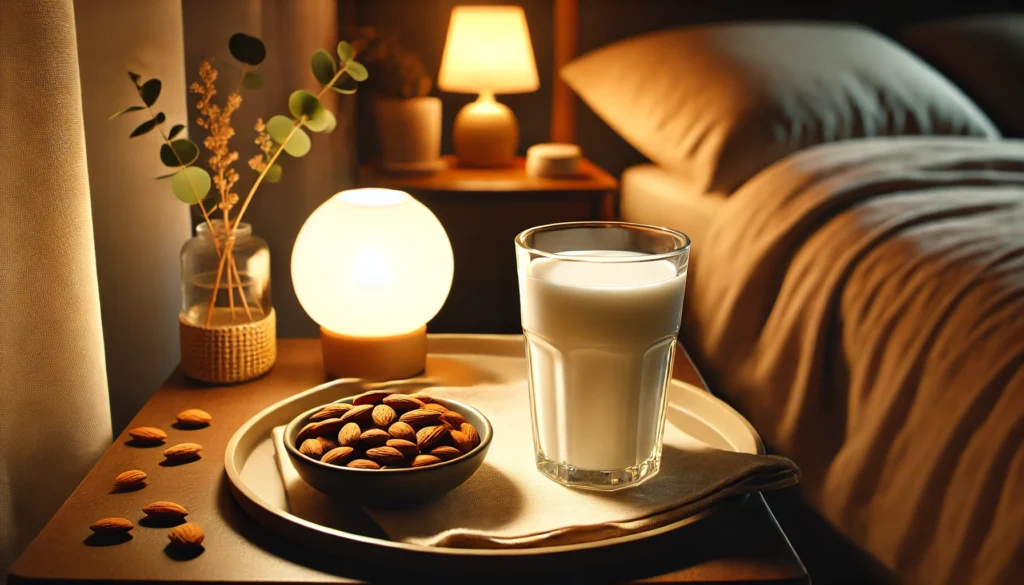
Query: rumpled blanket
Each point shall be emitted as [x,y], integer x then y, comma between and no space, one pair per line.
[863,304]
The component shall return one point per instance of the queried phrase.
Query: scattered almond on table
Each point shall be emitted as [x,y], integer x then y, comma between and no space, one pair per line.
[188,535]
[149,435]
[194,417]
[184,452]
[165,510]
[129,480]
[111,526]
[385,430]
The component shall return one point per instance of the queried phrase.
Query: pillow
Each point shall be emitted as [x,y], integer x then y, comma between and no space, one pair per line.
[984,55]
[716,104]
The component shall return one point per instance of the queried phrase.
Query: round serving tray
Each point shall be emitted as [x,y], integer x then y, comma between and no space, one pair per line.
[461,360]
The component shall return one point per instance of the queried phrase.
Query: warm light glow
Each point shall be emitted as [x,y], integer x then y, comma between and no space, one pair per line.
[488,49]
[372,263]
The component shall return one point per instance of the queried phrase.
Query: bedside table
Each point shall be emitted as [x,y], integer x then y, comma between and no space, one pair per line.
[483,210]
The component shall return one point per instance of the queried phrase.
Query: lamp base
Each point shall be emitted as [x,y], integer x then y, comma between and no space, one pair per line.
[486,133]
[374,358]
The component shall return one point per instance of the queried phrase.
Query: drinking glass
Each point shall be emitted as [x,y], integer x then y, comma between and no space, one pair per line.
[601,305]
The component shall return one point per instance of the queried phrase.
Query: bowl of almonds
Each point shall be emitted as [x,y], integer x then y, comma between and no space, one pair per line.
[386,448]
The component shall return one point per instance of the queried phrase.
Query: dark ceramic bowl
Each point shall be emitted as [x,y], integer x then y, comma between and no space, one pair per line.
[390,487]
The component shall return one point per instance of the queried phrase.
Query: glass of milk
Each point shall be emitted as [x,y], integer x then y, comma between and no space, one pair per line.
[601,304]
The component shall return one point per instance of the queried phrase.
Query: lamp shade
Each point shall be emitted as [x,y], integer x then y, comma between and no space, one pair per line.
[488,49]
[372,263]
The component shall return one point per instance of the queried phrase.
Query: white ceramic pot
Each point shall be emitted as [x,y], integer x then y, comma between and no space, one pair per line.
[409,133]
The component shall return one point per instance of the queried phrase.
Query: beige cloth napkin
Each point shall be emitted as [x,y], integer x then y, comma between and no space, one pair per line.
[509,504]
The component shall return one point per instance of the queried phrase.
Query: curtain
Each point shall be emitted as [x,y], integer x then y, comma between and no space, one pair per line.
[139,226]
[291,31]
[53,387]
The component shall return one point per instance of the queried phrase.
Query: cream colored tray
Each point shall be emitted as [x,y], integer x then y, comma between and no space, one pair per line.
[462,360]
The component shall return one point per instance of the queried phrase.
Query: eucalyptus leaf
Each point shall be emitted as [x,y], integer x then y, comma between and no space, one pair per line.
[142,128]
[279,127]
[191,185]
[247,49]
[346,52]
[179,153]
[302,103]
[175,130]
[135,77]
[357,71]
[322,121]
[252,80]
[160,118]
[126,110]
[345,85]
[323,66]
[150,91]
[299,144]
[274,174]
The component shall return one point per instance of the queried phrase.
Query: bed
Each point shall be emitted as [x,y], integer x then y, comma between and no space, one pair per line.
[858,289]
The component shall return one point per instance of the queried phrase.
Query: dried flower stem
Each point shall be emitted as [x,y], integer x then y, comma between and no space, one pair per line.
[241,291]
[255,185]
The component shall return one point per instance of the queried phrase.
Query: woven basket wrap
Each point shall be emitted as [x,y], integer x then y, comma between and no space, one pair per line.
[231,354]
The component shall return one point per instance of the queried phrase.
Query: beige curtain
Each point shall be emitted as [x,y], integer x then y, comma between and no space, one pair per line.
[138,223]
[292,31]
[54,414]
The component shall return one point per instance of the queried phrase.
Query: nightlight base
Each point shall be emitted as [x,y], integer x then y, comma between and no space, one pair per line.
[486,134]
[374,358]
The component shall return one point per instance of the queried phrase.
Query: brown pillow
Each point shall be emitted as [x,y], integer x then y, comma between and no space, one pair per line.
[716,104]
[982,54]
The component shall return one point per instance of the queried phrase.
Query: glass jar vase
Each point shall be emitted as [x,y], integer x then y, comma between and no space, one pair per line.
[227,323]
[240,289]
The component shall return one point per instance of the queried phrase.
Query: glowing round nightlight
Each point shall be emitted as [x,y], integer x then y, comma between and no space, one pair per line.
[371,267]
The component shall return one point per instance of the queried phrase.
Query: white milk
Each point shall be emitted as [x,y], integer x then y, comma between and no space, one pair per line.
[600,340]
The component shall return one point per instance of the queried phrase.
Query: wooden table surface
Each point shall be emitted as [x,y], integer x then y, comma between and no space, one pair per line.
[747,547]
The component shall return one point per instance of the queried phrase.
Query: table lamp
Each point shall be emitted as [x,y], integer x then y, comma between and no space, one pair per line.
[488,51]
[371,267]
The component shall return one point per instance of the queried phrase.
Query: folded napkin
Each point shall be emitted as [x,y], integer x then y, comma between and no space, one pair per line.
[509,504]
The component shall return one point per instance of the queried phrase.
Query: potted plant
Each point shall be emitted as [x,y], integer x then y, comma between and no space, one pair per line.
[407,119]
[227,323]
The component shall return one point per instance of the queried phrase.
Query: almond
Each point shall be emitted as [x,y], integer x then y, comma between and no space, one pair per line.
[453,418]
[373,438]
[337,456]
[362,464]
[406,448]
[386,455]
[130,479]
[421,417]
[311,448]
[358,414]
[439,408]
[401,430]
[403,402]
[383,415]
[327,444]
[349,435]
[462,441]
[307,432]
[371,397]
[111,525]
[331,411]
[470,431]
[425,460]
[445,453]
[427,436]
[165,510]
[194,417]
[184,452]
[151,435]
[422,398]
[328,426]
[186,535]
